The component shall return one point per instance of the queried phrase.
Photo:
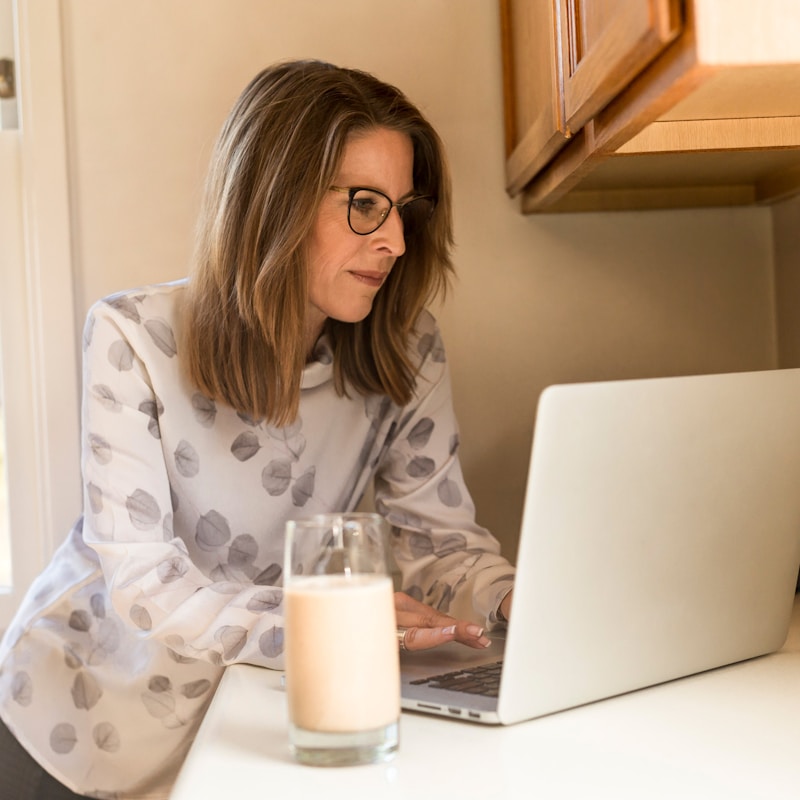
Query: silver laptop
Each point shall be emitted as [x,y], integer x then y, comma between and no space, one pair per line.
[660,538]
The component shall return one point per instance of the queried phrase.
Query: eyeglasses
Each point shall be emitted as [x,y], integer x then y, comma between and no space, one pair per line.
[368,209]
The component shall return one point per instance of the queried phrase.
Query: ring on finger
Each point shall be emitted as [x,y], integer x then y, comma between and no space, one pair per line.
[401,638]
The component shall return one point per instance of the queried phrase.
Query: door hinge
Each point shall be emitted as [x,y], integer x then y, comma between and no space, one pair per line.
[6,79]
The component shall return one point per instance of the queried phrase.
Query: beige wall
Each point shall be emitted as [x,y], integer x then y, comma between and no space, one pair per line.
[538,299]
[786,232]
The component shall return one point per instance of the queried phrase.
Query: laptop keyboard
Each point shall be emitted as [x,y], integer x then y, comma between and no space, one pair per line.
[483,680]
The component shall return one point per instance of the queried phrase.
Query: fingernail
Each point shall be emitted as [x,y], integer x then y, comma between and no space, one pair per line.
[474,630]
[448,631]
[485,642]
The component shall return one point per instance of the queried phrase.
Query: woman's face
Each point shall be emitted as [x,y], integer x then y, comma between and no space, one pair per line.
[347,270]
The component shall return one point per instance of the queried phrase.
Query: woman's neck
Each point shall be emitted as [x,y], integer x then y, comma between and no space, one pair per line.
[313,330]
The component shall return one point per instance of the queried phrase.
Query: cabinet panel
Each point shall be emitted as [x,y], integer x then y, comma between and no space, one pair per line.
[534,118]
[605,44]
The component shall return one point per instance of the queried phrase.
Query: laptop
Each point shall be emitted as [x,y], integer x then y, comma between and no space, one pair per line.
[660,538]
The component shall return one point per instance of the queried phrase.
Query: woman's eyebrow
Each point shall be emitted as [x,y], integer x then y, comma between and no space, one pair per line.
[405,196]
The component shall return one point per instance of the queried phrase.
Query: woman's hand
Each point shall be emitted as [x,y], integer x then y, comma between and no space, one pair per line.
[425,627]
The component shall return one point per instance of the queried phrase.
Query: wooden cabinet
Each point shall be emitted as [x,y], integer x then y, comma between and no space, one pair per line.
[616,104]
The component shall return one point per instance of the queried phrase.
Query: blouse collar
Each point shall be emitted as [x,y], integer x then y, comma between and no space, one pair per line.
[320,369]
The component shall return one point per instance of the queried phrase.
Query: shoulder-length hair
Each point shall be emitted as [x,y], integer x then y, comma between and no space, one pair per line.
[277,155]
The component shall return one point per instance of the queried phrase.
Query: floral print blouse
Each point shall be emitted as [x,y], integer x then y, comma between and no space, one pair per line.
[174,569]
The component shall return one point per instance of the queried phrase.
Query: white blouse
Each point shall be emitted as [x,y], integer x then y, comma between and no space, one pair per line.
[174,569]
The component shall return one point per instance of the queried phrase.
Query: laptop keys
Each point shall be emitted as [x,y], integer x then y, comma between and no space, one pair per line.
[483,680]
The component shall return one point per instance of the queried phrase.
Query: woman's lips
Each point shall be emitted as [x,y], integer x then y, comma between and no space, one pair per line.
[373,279]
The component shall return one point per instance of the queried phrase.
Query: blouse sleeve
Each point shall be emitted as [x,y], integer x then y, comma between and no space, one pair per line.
[445,558]
[128,507]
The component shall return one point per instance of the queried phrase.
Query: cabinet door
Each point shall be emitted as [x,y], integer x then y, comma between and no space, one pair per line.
[534,119]
[605,44]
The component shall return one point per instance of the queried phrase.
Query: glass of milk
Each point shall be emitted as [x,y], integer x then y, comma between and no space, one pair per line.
[342,660]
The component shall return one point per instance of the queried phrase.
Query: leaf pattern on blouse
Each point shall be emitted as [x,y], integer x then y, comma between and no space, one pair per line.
[63,738]
[187,461]
[212,531]
[245,446]
[106,737]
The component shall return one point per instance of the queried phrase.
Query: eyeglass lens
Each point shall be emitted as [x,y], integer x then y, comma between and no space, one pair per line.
[368,210]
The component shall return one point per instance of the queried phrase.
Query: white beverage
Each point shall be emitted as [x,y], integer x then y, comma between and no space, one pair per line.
[342,661]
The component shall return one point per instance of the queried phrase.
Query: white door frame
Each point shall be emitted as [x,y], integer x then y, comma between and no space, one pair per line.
[40,342]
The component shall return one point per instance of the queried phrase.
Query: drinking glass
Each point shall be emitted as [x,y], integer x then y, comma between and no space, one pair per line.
[342,660]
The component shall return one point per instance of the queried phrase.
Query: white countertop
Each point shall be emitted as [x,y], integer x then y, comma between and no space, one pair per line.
[730,733]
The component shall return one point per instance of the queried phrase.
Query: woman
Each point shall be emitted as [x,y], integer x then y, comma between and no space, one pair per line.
[295,366]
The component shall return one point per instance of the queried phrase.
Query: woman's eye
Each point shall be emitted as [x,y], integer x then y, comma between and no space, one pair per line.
[365,206]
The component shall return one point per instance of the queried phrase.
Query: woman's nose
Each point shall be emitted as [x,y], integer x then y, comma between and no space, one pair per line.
[390,236]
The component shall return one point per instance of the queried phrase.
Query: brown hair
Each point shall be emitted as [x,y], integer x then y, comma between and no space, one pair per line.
[276,156]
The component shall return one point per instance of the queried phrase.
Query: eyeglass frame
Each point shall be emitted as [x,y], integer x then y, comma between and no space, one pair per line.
[350,191]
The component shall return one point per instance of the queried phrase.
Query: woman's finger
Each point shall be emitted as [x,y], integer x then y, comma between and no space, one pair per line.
[425,627]
[425,638]
[466,633]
